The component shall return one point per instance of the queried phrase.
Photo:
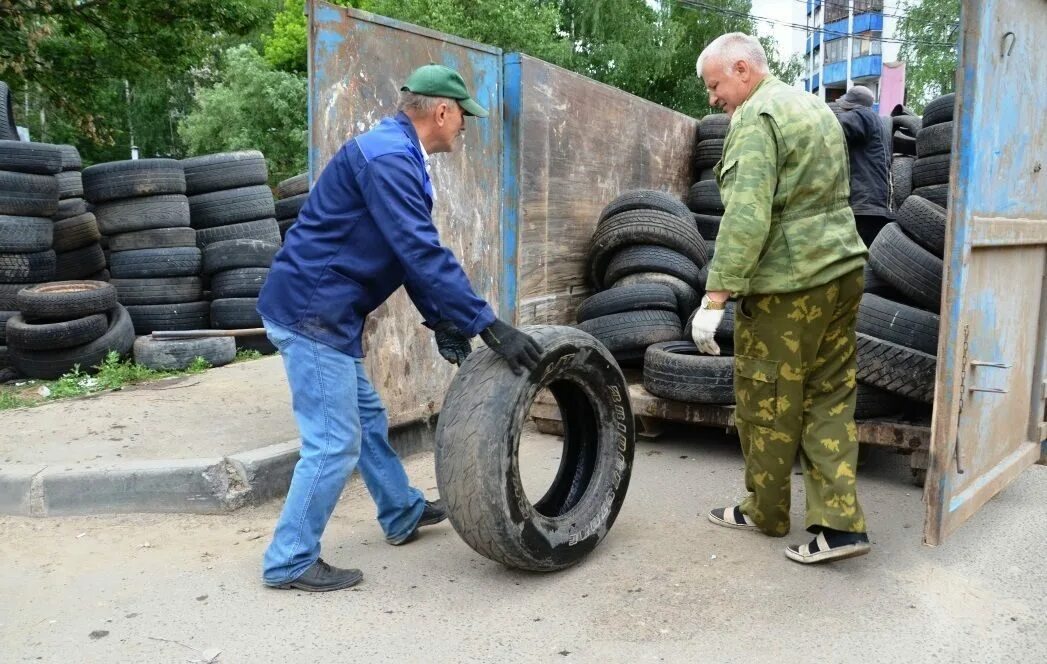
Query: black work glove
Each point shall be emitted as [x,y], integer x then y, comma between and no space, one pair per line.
[518,349]
[454,346]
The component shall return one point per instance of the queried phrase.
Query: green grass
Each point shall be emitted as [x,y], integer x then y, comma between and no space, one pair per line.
[112,374]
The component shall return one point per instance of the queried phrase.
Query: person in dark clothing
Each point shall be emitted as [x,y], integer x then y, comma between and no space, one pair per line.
[365,230]
[870,156]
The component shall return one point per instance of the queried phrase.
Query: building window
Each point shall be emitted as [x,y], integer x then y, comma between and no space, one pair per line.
[862,6]
[866,43]
[835,10]
[835,50]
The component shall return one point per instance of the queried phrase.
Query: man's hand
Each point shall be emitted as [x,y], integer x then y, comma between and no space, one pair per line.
[518,349]
[704,324]
[454,346]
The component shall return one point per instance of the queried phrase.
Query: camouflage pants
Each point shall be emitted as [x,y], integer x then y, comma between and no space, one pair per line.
[794,379]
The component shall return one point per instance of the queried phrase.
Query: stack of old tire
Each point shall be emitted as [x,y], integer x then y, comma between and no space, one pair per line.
[675,369]
[290,197]
[905,126]
[898,322]
[64,325]
[234,215]
[77,240]
[28,198]
[645,261]
[142,210]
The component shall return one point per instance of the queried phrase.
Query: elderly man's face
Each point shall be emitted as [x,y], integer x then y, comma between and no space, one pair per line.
[450,122]
[729,86]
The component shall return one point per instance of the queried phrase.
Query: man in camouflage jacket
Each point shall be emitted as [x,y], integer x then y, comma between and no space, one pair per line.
[788,249]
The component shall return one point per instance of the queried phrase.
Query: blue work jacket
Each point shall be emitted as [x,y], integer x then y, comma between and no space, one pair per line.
[365,230]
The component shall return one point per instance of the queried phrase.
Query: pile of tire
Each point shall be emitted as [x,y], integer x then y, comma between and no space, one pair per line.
[143,212]
[78,243]
[904,128]
[28,197]
[236,270]
[290,197]
[66,324]
[229,198]
[645,263]
[898,322]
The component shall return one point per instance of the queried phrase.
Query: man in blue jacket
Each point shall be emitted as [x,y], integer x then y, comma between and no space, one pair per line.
[366,230]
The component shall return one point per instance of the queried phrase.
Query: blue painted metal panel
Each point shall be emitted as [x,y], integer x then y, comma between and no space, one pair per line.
[815,82]
[866,66]
[866,22]
[512,99]
[836,72]
[836,30]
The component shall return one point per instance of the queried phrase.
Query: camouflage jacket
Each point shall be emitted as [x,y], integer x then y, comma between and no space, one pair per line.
[784,180]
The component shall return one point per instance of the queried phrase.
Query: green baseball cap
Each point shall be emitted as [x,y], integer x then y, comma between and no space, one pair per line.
[434,80]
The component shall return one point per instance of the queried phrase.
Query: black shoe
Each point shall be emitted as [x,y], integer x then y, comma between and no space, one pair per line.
[321,577]
[435,511]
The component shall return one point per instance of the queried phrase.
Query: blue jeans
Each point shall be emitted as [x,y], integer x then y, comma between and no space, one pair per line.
[342,424]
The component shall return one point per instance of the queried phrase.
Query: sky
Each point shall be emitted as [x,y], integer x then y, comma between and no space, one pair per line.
[789,40]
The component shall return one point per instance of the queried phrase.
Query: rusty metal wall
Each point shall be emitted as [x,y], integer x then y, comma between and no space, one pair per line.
[572,145]
[357,63]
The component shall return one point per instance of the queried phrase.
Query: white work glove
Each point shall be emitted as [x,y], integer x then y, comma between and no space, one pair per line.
[703,326]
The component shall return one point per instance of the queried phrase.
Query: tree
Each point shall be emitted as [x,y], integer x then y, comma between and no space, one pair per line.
[930,30]
[91,71]
[249,105]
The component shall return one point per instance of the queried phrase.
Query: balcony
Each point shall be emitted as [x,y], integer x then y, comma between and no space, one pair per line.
[863,67]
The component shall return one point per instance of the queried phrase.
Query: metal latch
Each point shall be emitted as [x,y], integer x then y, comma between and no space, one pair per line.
[991,365]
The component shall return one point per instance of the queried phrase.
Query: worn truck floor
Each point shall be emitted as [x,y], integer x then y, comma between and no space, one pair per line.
[665,586]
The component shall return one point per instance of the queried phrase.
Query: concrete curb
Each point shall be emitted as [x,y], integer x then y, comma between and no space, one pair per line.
[198,486]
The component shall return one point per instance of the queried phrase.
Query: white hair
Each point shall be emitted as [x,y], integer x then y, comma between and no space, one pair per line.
[731,48]
[411,101]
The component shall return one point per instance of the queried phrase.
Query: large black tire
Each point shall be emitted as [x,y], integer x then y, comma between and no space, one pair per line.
[935,193]
[936,139]
[151,263]
[8,130]
[61,334]
[75,233]
[157,238]
[939,110]
[64,300]
[231,206]
[704,197]
[9,295]
[638,297]
[285,225]
[931,170]
[178,354]
[70,158]
[48,364]
[895,368]
[241,282]
[904,144]
[877,285]
[643,227]
[633,330]
[226,170]
[652,258]
[910,268]
[687,297]
[70,185]
[256,342]
[27,268]
[25,234]
[478,439]
[289,207]
[261,229]
[70,207]
[675,370]
[140,214]
[899,323]
[27,157]
[171,290]
[235,313]
[901,179]
[79,263]
[707,153]
[292,186]
[714,125]
[4,317]
[231,254]
[28,194]
[170,317]
[924,222]
[910,124]
[706,174]
[644,199]
[708,226]
[132,179]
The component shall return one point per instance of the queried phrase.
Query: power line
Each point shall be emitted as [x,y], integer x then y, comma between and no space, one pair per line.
[845,5]
[807,29]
